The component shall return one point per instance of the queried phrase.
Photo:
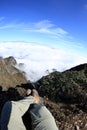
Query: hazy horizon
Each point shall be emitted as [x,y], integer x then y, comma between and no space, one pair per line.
[37,59]
[44,34]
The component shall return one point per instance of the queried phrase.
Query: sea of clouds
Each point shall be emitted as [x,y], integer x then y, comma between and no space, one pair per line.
[38,59]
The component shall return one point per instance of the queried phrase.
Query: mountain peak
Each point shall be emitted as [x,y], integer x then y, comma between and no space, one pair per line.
[10,60]
[9,74]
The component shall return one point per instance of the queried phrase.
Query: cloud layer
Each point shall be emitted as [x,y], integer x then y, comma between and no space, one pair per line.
[44,27]
[38,59]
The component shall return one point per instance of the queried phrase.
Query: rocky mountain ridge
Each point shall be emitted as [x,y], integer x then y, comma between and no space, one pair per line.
[9,74]
[64,93]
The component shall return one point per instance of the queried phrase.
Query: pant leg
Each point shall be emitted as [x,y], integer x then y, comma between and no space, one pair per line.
[24,104]
[10,118]
[12,112]
[5,115]
[42,119]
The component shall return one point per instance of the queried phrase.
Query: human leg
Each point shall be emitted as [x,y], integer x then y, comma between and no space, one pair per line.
[12,112]
[42,119]
[5,115]
[10,118]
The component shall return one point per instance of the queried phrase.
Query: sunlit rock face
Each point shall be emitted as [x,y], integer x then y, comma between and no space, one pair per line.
[10,76]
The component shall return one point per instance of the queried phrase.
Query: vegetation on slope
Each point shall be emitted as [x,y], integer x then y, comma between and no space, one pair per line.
[69,86]
[65,93]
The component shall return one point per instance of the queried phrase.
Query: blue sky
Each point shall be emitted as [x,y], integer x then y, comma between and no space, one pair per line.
[52,22]
[44,34]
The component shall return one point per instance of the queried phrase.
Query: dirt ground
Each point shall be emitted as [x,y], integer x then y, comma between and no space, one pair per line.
[67,116]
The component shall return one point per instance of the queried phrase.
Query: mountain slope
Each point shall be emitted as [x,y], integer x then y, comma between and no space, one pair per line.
[68,94]
[9,74]
[69,86]
[79,67]
[64,93]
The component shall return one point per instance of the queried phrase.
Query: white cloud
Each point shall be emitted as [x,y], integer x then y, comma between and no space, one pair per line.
[44,27]
[43,24]
[10,25]
[60,31]
[37,58]
[7,26]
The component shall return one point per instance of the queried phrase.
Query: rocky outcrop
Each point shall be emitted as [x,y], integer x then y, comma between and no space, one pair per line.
[65,94]
[10,76]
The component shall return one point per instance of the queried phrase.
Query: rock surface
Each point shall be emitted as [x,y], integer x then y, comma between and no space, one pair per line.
[65,94]
[10,76]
